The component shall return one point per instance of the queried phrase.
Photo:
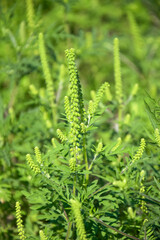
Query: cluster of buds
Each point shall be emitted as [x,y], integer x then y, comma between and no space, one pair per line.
[93,105]
[157,137]
[138,155]
[61,136]
[74,108]
[140,151]
[76,208]
[142,190]
[19,221]
[32,165]
[42,235]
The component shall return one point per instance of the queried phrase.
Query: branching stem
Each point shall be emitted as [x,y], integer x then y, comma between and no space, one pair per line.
[114,229]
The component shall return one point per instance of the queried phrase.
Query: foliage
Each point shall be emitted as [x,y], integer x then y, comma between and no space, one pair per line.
[80,153]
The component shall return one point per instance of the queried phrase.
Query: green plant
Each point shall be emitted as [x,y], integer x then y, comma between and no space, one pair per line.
[96,160]
[64,175]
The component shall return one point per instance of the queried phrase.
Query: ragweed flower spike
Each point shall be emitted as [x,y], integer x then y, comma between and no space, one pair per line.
[76,208]
[117,76]
[137,39]
[119,141]
[32,165]
[93,105]
[117,72]
[30,13]
[142,190]
[72,164]
[75,111]
[42,235]
[38,155]
[83,128]
[77,104]
[22,32]
[67,108]
[61,136]
[157,137]
[53,142]
[19,222]
[140,151]
[47,75]
[135,89]
[138,155]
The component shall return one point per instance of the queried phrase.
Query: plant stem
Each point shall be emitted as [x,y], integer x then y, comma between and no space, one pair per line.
[68,230]
[114,229]
[85,158]
[74,185]
[101,188]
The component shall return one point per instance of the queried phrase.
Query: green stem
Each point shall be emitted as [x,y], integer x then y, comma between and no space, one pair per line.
[68,230]
[114,229]
[100,189]
[85,158]
[74,186]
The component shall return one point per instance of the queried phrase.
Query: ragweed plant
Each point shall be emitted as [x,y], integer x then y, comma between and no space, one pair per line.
[66,188]
[56,173]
